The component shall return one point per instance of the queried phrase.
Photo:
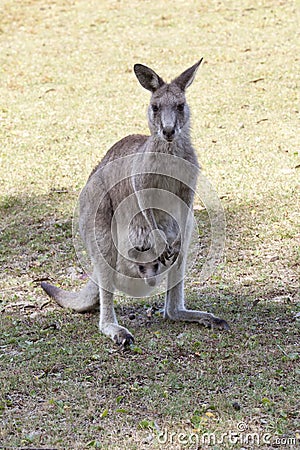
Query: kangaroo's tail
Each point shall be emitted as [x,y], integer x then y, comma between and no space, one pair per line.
[85,300]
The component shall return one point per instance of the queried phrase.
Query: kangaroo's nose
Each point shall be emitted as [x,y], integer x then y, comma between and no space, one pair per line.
[151,281]
[169,133]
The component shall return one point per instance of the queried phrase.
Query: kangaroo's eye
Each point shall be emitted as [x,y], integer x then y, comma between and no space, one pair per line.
[141,268]
[180,107]
[155,108]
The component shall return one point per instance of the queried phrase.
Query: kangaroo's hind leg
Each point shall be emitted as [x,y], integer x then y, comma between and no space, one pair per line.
[175,305]
[104,255]
[108,323]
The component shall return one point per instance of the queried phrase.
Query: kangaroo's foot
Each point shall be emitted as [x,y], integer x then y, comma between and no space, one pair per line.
[120,335]
[201,317]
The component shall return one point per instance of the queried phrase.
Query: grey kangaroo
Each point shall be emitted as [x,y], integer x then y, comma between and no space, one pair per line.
[136,213]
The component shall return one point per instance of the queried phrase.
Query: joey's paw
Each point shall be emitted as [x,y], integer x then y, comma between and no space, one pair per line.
[164,257]
[169,255]
[123,338]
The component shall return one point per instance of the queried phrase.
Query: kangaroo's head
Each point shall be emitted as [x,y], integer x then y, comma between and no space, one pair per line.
[149,272]
[146,269]
[168,112]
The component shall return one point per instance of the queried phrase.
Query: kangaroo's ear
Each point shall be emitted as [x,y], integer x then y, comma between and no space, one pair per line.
[138,253]
[133,253]
[187,77]
[148,78]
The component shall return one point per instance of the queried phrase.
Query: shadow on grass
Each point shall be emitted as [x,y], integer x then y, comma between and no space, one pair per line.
[35,231]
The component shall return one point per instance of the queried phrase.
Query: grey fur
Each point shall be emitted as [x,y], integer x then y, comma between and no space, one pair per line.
[132,247]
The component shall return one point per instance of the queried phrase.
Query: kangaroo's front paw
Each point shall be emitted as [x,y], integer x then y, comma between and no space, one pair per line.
[165,256]
[169,255]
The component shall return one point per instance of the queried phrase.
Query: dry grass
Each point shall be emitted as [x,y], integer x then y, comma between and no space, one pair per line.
[67,94]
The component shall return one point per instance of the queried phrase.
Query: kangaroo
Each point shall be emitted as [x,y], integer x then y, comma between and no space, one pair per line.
[136,213]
